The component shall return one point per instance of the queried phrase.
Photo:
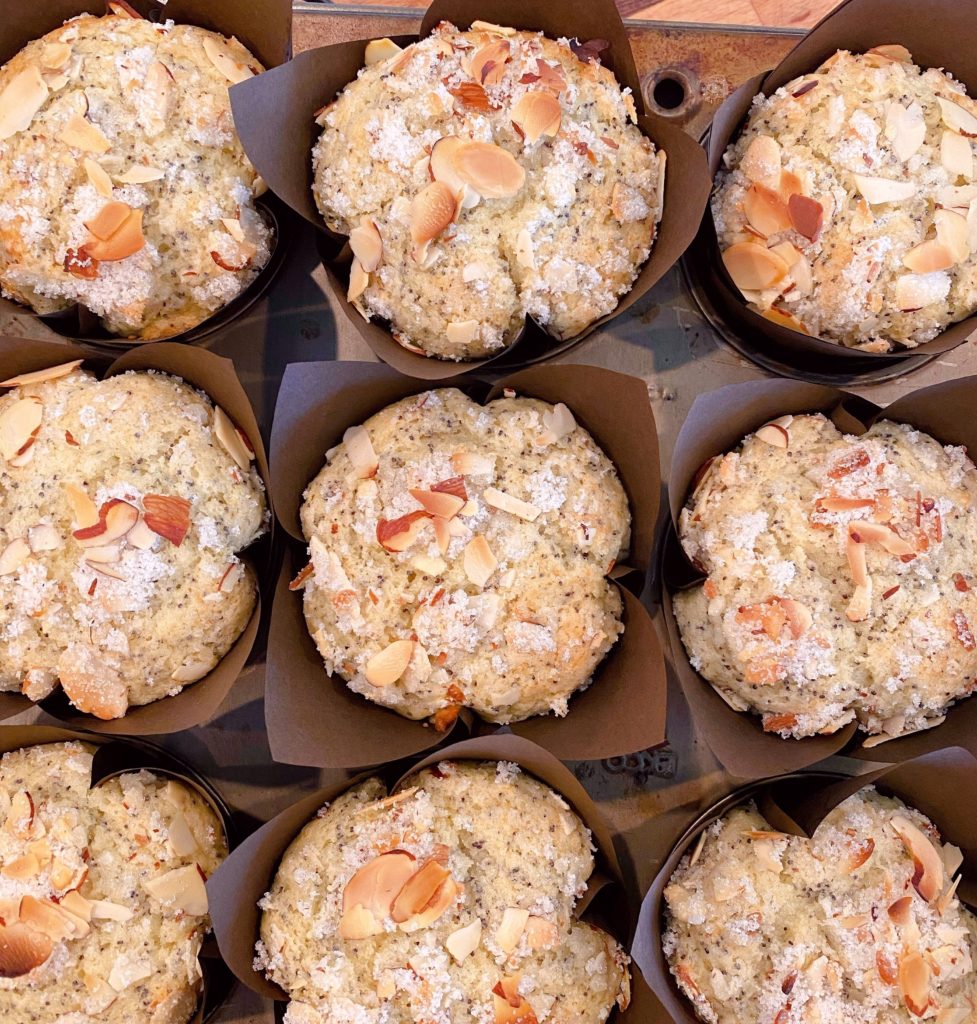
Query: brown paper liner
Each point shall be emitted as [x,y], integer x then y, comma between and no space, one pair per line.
[247,874]
[797,804]
[274,115]
[112,757]
[716,423]
[265,28]
[313,718]
[932,31]
[216,377]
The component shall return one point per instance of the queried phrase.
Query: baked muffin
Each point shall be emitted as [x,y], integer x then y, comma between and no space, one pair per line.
[123,504]
[459,556]
[449,901]
[859,923]
[103,902]
[840,575]
[848,205]
[483,177]
[123,185]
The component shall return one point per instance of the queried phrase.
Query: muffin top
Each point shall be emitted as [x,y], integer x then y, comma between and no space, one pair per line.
[449,901]
[840,577]
[102,895]
[123,185]
[847,208]
[123,504]
[859,924]
[459,555]
[483,177]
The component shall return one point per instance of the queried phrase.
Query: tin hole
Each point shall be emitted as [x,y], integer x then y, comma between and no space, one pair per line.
[669,93]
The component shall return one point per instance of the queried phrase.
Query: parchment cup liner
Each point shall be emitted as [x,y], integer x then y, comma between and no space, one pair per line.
[265,28]
[796,804]
[313,718]
[716,423]
[234,890]
[217,378]
[939,34]
[114,757]
[274,114]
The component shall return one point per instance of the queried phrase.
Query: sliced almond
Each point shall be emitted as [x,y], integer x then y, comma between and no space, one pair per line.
[390,664]
[19,422]
[359,280]
[754,267]
[905,128]
[442,163]
[22,868]
[181,890]
[765,210]
[45,917]
[378,50]
[509,1007]
[39,376]
[191,671]
[543,934]
[799,617]
[901,910]
[893,51]
[806,216]
[13,556]
[776,432]
[115,519]
[375,886]
[957,155]
[507,503]
[445,895]
[884,536]
[103,553]
[43,537]
[928,877]
[784,318]
[912,291]
[538,113]
[479,561]
[80,133]
[139,174]
[490,170]
[22,949]
[419,890]
[142,537]
[914,983]
[464,941]
[76,904]
[428,565]
[221,56]
[462,332]
[953,233]
[398,534]
[957,119]
[180,836]
[157,97]
[21,99]
[125,241]
[761,162]
[358,923]
[231,438]
[108,220]
[487,64]
[102,910]
[884,190]
[55,55]
[83,509]
[509,932]
[558,423]
[431,211]
[928,256]
[438,503]
[98,177]
[472,463]
[367,245]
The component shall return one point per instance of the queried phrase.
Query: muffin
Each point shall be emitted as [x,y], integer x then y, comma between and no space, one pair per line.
[123,505]
[103,903]
[847,207]
[459,557]
[123,185]
[483,177]
[840,577]
[860,923]
[448,901]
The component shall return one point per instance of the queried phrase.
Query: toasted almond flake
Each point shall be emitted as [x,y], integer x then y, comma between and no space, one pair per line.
[362,455]
[538,113]
[754,267]
[525,256]
[18,423]
[139,174]
[914,982]
[784,318]
[463,332]
[487,64]
[224,60]
[479,561]
[420,890]
[234,229]
[390,664]
[80,133]
[83,508]
[98,177]
[947,896]
[438,503]
[125,241]
[893,51]
[367,245]
[398,534]
[928,878]
[55,55]
[378,50]
[558,422]
[115,519]
[231,439]
[492,28]
[905,128]
[884,190]
[806,216]
[373,888]
[761,162]
[490,170]
[913,292]
[359,923]
[180,890]
[191,672]
[359,279]
[777,432]
[472,463]
[14,555]
[956,118]
[957,155]
[507,503]
[953,233]
[39,376]
[510,930]
[884,536]
[22,949]
[21,99]
[928,256]
[431,211]
[442,163]
[108,220]
[428,565]
[765,210]
[103,553]
[462,942]
[103,910]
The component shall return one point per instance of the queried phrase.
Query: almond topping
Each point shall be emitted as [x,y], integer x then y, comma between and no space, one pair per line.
[884,536]
[358,923]
[82,507]
[928,876]
[463,332]
[191,672]
[231,438]
[378,50]
[463,942]
[442,163]
[761,161]
[806,216]
[21,99]
[510,931]
[39,376]
[784,318]
[958,119]
[390,664]
[139,174]
[55,55]
[953,233]
[13,556]
[103,910]
[375,886]
[558,422]
[883,190]
[223,59]
[398,534]
[776,432]
[98,177]
[168,516]
[108,220]
[509,1006]
[361,452]
[438,503]
[957,155]
[901,910]
[23,868]
[22,949]
[367,245]
[19,423]
[431,211]
[487,65]
[507,503]
[419,890]
[43,537]
[81,134]
[489,169]
[537,114]
[117,231]
[765,210]
[928,256]
[479,561]
[472,462]
[115,519]
[753,267]
[359,280]
[180,890]
[914,983]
